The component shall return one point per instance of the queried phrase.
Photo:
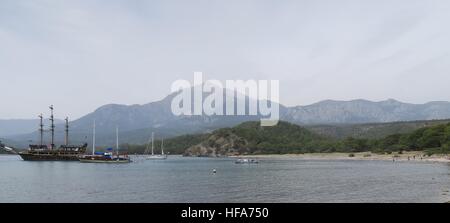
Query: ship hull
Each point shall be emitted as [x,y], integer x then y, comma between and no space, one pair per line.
[46,157]
[42,153]
[156,157]
[103,161]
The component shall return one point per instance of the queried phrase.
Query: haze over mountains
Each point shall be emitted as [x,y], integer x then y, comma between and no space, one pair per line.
[136,122]
[363,111]
[10,127]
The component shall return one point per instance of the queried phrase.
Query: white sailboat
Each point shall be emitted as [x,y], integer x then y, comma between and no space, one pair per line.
[154,156]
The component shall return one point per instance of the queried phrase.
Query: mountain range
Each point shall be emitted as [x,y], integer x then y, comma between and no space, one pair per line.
[364,111]
[11,127]
[136,122]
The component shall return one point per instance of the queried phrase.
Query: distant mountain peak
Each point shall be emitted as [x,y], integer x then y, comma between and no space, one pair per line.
[392,101]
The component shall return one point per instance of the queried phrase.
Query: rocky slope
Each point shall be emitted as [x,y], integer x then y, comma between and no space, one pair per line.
[251,138]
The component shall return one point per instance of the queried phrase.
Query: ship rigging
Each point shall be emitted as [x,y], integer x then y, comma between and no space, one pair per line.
[42,152]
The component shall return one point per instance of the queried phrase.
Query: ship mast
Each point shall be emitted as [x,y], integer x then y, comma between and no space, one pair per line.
[67,131]
[41,130]
[52,127]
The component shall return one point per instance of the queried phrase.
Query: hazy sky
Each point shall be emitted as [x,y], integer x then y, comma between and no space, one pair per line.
[79,55]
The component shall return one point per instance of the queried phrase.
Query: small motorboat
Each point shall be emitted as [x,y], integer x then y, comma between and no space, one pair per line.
[247,161]
[5,148]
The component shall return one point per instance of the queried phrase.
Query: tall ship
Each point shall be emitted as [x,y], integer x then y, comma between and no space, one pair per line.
[43,152]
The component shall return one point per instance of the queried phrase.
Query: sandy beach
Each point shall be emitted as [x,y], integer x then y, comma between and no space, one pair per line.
[412,156]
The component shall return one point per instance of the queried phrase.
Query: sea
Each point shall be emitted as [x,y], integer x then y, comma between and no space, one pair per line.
[192,180]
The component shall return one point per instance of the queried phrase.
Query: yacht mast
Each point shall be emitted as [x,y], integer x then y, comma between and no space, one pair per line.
[93,140]
[153,140]
[147,149]
[162,146]
[117,141]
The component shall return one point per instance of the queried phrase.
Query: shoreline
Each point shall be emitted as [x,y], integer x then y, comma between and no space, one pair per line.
[414,156]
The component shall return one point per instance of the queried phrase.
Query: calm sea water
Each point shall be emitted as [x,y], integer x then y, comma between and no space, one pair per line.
[181,179]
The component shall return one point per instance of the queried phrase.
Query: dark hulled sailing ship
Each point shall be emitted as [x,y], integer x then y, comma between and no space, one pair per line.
[42,152]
